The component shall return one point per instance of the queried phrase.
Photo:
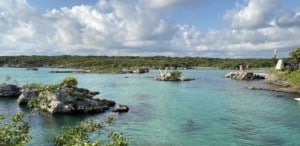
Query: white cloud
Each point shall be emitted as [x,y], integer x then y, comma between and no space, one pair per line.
[162,4]
[289,19]
[256,14]
[134,27]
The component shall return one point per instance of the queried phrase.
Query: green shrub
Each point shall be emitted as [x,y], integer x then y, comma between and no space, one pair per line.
[34,86]
[14,132]
[79,135]
[69,81]
[175,75]
[294,78]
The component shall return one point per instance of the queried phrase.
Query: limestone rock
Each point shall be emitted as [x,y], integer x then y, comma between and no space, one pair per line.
[26,95]
[73,100]
[8,90]
[244,75]
[121,108]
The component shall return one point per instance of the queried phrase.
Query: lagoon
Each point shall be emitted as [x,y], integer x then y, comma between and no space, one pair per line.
[210,110]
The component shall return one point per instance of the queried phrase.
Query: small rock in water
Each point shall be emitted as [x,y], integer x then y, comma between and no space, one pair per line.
[121,108]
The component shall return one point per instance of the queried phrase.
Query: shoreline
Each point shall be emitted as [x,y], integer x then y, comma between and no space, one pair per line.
[282,89]
[278,86]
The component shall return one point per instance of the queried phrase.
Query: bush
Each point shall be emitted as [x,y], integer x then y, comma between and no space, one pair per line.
[294,78]
[69,81]
[34,86]
[79,135]
[175,75]
[14,132]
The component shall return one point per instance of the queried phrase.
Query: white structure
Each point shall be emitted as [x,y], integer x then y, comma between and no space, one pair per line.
[275,54]
[165,73]
[279,65]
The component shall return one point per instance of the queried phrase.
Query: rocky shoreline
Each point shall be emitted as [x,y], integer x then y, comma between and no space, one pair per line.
[245,75]
[278,89]
[278,85]
[71,71]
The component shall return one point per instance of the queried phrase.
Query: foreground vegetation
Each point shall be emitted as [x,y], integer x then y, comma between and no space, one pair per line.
[15,132]
[115,64]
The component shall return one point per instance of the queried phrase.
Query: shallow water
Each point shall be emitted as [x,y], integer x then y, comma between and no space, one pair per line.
[210,110]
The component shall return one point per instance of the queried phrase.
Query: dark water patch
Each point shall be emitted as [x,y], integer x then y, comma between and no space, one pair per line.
[291,124]
[272,141]
[241,128]
[244,132]
[141,113]
[140,96]
[155,144]
[271,118]
[190,126]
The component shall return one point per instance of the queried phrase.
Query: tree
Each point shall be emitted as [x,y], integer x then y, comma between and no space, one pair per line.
[296,55]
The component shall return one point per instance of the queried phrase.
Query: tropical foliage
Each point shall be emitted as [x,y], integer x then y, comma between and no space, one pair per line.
[295,54]
[14,132]
[175,75]
[79,135]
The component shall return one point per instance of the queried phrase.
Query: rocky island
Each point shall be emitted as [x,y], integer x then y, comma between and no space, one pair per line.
[65,98]
[173,76]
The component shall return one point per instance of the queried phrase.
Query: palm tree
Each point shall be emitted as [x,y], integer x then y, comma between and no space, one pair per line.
[296,55]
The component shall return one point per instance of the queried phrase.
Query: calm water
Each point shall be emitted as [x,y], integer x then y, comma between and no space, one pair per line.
[208,111]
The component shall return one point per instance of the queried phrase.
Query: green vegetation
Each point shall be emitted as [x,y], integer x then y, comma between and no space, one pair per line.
[116,64]
[79,135]
[69,81]
[294,78]
[34,86]
[14,132]
[291,74]
[174,75]
[296,56]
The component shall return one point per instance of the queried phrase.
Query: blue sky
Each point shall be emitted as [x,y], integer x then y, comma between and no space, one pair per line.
[205,28]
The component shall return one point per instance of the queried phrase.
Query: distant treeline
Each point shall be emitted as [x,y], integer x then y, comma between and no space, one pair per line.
[116,63]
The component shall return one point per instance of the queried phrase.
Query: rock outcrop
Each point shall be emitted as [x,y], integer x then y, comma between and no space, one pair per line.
[8,90]
[67,100]
[32,68]
[121,108]
[71,71]
[244,75]
[169,79]
[138,71]
[26,95]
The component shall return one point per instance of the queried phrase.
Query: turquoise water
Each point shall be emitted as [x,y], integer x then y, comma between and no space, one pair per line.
[210,110]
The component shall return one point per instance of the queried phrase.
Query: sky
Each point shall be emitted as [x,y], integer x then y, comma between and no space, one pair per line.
[200,28]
